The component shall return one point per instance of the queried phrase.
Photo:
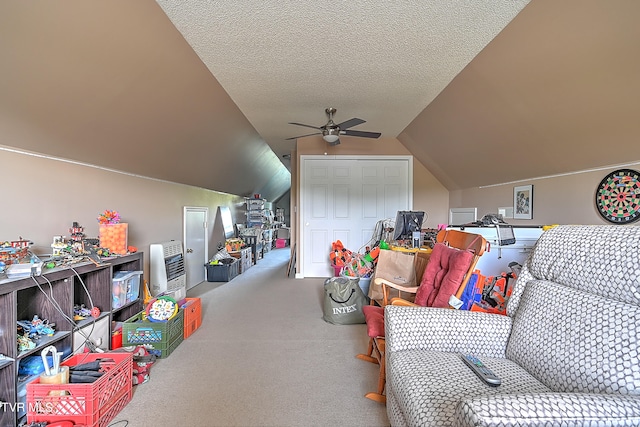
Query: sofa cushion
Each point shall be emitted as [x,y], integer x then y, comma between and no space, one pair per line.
[426,386]
[599,259]
[549,409]
[574,341]
[443,276]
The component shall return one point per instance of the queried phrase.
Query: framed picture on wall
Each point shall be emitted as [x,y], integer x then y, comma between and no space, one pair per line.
[523,202]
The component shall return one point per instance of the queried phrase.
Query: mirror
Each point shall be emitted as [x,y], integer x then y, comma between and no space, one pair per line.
[227,221]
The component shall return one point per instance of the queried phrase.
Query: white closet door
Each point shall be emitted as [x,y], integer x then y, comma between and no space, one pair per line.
[195,244]
[342,198]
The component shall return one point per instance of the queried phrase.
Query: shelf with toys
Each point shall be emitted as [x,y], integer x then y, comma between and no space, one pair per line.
[48,305]
[65,300]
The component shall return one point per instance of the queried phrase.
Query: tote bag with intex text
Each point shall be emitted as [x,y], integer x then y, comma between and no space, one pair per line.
[343,301]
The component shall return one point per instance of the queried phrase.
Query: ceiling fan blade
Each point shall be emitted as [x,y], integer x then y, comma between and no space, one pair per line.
[351,123]
[361,133]
[307,126]
[302,136]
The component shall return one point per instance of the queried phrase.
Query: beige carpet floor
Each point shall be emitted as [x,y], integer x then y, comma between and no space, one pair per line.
[262,357]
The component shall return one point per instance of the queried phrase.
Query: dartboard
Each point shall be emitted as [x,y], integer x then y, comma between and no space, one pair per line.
[618,196]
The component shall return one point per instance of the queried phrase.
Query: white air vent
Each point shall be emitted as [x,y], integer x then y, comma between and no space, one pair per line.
[166,268]
[171,249]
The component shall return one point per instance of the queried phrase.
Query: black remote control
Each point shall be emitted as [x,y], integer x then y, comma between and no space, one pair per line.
[482,371]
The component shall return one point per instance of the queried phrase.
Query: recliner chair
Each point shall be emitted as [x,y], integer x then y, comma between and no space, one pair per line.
[567,352]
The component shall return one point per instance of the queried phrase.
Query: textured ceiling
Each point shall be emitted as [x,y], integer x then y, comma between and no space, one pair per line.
[200,92]
[384,62]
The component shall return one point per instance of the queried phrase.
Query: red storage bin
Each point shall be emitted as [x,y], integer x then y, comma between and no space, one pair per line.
[192,315]
[116,339]
[89,404]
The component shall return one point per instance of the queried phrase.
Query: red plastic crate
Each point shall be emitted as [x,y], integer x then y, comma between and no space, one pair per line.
[192,315]
[90,404]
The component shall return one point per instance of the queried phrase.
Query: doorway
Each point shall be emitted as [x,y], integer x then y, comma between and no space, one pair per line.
[195,244]
[343,197]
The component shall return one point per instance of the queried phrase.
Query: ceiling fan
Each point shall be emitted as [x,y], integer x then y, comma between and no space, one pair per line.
[331,132]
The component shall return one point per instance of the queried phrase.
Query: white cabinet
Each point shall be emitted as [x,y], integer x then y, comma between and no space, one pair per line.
[499,257]
[98,333]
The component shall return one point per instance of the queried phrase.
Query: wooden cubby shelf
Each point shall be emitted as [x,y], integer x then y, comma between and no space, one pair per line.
[52,296]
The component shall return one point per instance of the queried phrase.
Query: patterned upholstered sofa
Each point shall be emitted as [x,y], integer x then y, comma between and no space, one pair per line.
[567,352]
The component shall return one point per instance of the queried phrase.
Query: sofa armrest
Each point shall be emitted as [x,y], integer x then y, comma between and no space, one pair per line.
[443,329]
[544,409]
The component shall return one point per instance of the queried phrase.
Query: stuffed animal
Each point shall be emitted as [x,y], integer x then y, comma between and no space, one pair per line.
[340,256]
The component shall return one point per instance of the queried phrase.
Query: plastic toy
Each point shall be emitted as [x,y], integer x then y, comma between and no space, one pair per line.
[161,309]
[36,327]
[372,255]
[340,256]
[42,327]
[142,361]
[25,343]
[80,312]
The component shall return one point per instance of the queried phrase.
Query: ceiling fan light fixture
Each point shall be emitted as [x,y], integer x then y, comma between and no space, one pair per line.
[330,138]
[331,135]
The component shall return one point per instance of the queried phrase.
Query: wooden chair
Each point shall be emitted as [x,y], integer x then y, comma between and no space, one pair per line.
[419,259]
[467,249]
[454,239]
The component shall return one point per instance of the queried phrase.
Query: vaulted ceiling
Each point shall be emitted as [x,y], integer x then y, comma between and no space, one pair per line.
[201,93]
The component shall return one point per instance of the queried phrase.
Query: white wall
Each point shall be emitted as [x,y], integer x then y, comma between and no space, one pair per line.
[429,194]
